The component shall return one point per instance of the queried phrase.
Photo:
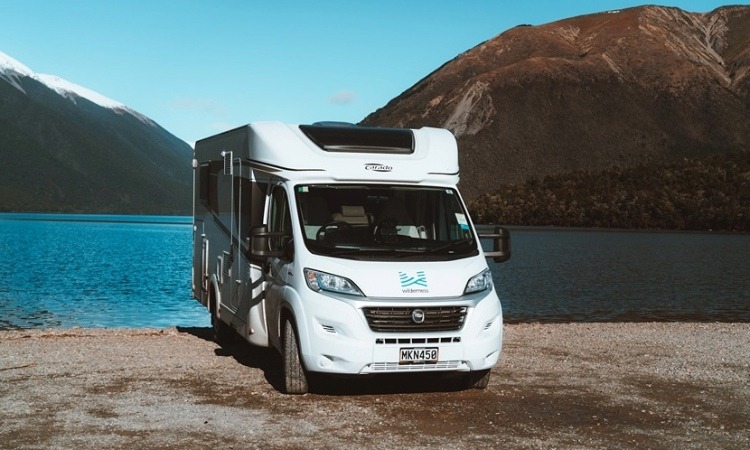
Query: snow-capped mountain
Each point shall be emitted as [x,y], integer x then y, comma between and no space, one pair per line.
[65,147]
[11,69]
[71,91]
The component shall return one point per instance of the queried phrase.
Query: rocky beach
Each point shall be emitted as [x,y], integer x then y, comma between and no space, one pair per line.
[569,386]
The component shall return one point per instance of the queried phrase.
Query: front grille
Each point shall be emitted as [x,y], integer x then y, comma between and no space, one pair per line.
[436,318]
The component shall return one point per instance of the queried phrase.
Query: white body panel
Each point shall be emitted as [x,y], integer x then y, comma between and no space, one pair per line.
[435,157]
[270,162]
[338,338]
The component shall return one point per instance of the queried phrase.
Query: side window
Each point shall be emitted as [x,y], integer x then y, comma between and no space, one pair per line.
[280,219]
[248,197]
[211,186]
[242,204]
[203,184]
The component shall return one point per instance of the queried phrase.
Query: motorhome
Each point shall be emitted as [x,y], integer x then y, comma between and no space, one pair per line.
[348,249]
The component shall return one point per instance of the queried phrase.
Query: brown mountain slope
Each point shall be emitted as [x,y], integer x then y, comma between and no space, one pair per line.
[619,88]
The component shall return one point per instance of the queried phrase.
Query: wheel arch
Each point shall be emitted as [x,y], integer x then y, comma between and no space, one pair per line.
[214,295]
[291,308]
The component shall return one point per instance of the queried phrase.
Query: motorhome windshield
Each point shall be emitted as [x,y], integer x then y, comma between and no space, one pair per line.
[385,223]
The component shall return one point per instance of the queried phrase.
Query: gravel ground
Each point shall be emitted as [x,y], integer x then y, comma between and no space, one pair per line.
[568,386]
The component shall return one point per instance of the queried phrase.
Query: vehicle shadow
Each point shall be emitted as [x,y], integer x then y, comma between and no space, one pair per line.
[265,359]
[381,384]
[269,361]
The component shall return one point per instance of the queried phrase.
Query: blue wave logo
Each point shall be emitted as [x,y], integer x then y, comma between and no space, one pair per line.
[419,279]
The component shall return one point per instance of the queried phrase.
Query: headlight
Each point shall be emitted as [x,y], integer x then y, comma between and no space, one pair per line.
[479,282]
[321,281]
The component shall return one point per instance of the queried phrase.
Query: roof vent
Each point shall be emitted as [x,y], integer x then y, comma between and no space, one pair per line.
[345,138]
[334,124]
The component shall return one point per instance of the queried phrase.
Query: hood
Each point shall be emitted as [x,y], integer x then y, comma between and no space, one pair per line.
[408,279]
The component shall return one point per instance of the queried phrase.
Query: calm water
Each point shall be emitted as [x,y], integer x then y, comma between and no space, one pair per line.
[96,271]
[134,271]
[587,276]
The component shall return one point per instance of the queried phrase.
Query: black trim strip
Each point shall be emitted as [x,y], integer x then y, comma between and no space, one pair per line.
[272,168]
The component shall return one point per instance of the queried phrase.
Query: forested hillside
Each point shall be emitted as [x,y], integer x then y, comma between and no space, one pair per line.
[710,193]
[607,120]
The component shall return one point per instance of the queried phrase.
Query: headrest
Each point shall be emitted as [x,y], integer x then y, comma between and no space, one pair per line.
[354,211]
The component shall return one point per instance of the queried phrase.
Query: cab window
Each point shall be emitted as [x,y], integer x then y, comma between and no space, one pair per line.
[280,219]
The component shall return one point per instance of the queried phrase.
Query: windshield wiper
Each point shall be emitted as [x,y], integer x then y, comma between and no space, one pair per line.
[450,245]
[376,250]
[338,251]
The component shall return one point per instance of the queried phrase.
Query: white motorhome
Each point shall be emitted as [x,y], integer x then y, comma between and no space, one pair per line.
[348,249]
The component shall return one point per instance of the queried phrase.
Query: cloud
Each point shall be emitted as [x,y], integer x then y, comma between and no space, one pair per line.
[343,98]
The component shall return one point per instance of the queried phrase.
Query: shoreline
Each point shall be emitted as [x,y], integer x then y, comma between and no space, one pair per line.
[77,330]
[580,385]
[187,219]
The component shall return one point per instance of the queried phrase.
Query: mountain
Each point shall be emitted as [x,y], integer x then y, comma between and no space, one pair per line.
[65,148]
[641,86]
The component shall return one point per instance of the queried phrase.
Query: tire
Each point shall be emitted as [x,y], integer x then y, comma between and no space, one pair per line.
[295,379]
[479,379]
[223,333]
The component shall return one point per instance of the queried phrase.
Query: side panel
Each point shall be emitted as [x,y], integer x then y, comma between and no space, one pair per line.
[228,202]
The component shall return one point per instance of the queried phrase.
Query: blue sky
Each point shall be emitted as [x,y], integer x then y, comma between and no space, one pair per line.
[202,67]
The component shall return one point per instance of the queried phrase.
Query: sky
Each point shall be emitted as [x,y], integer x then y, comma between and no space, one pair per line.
[202,67]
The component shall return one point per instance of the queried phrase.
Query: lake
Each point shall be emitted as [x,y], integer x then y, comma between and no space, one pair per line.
[96,271]
[60,271]
[604,276]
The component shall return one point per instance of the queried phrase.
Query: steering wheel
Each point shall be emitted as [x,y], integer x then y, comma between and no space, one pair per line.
[386,231]
[336,225]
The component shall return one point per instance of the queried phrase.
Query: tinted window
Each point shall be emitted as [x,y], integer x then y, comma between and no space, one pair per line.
[280,220]
[385,222]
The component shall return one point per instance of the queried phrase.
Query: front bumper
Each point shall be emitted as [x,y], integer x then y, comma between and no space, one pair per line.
[341,341]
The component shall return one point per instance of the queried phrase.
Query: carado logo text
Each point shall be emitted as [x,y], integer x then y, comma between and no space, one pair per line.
[378,167]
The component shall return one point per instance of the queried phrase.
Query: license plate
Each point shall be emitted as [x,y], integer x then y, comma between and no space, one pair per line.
[422,355]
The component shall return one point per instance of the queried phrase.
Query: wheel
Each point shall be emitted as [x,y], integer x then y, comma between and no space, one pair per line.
[223,333]
[295,379]
[479,379]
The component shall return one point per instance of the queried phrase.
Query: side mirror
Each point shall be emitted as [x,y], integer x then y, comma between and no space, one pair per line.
[500,244]
[260,248]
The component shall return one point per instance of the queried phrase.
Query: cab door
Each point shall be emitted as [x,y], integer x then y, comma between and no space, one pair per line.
[249,200]
[279,269]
